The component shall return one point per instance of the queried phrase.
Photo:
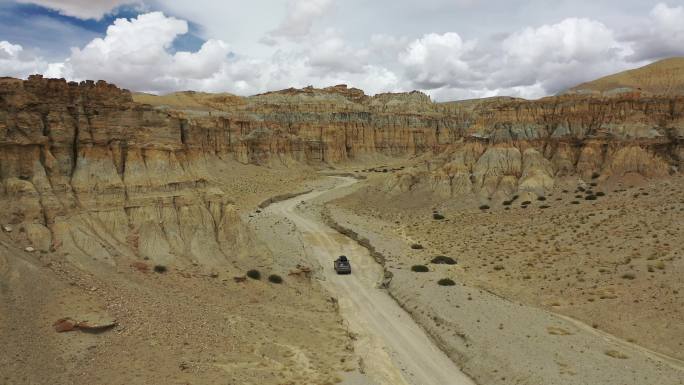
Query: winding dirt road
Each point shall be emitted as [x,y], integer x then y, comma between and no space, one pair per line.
[393,348]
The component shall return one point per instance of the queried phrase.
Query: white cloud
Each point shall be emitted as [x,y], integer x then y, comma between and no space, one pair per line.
[661,36]
[15,62]
[329,52]
[300,17]
[561,55]
[528,62]
[136,54]
[84,9]
[435,61]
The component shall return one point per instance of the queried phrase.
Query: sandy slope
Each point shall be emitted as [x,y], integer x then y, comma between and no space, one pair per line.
[511,337]
[394,349]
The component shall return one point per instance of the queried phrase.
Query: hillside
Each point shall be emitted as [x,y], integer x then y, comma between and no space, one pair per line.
[664,77]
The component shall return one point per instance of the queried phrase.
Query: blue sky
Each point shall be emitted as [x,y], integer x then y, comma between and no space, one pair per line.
[53,33]
[451,49]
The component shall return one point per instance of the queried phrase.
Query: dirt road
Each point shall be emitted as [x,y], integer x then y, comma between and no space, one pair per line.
[393,348]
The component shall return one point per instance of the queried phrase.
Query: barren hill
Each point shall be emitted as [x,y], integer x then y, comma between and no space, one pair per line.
[664,77]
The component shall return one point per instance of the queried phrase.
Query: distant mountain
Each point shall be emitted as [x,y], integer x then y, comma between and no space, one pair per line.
[664,77]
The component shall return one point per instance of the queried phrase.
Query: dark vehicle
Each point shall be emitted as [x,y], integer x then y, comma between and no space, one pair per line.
[342,265]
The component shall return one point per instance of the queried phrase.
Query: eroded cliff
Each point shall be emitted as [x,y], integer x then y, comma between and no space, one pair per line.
[87,172]
[491,147]
[85,169]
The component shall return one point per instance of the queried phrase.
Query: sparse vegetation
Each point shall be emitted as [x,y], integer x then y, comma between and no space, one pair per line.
[420,268]
[254,274]
[446,282]
[628,276]
[275,278]
[443,260]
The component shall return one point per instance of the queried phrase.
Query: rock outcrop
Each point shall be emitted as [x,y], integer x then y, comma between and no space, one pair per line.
[87,170]
[88,173]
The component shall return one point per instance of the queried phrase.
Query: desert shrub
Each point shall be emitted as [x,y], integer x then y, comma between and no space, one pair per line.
[628,276]
[541,199]
[544,206]
[420,268]
[595,175]
[161,269]
[580,188]
[593,184]
[484,207]
[417,246]
[275,278]
[507,203]
[526,203]
[600,194]
[575,202]
[437,216]
[515,198]
[443,260]
[446,282]
[498,267]
[590,197]
[254,274]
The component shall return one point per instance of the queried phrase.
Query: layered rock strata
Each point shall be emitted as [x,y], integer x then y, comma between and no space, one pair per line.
[87,170]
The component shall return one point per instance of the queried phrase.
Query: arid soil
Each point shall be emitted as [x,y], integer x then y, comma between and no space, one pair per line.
[392,348]
[186,325]
[616,263]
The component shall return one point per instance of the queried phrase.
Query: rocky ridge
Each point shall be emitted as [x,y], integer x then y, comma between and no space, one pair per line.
[85,169]
[493,147]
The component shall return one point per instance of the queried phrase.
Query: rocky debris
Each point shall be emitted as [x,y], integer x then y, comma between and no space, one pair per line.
[300,270]
[141,267]
[29,249]
[93,323]
[7,229]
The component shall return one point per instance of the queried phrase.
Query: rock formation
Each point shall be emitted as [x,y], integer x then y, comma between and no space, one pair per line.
[87,170]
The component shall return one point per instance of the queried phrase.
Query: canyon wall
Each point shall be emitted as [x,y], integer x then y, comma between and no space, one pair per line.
[491,147]
[88,173]
[86,169]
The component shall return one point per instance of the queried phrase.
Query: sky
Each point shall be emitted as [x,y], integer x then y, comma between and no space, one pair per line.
[450,49]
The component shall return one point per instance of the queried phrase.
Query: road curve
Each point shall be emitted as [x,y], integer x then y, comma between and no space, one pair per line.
[394,349]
